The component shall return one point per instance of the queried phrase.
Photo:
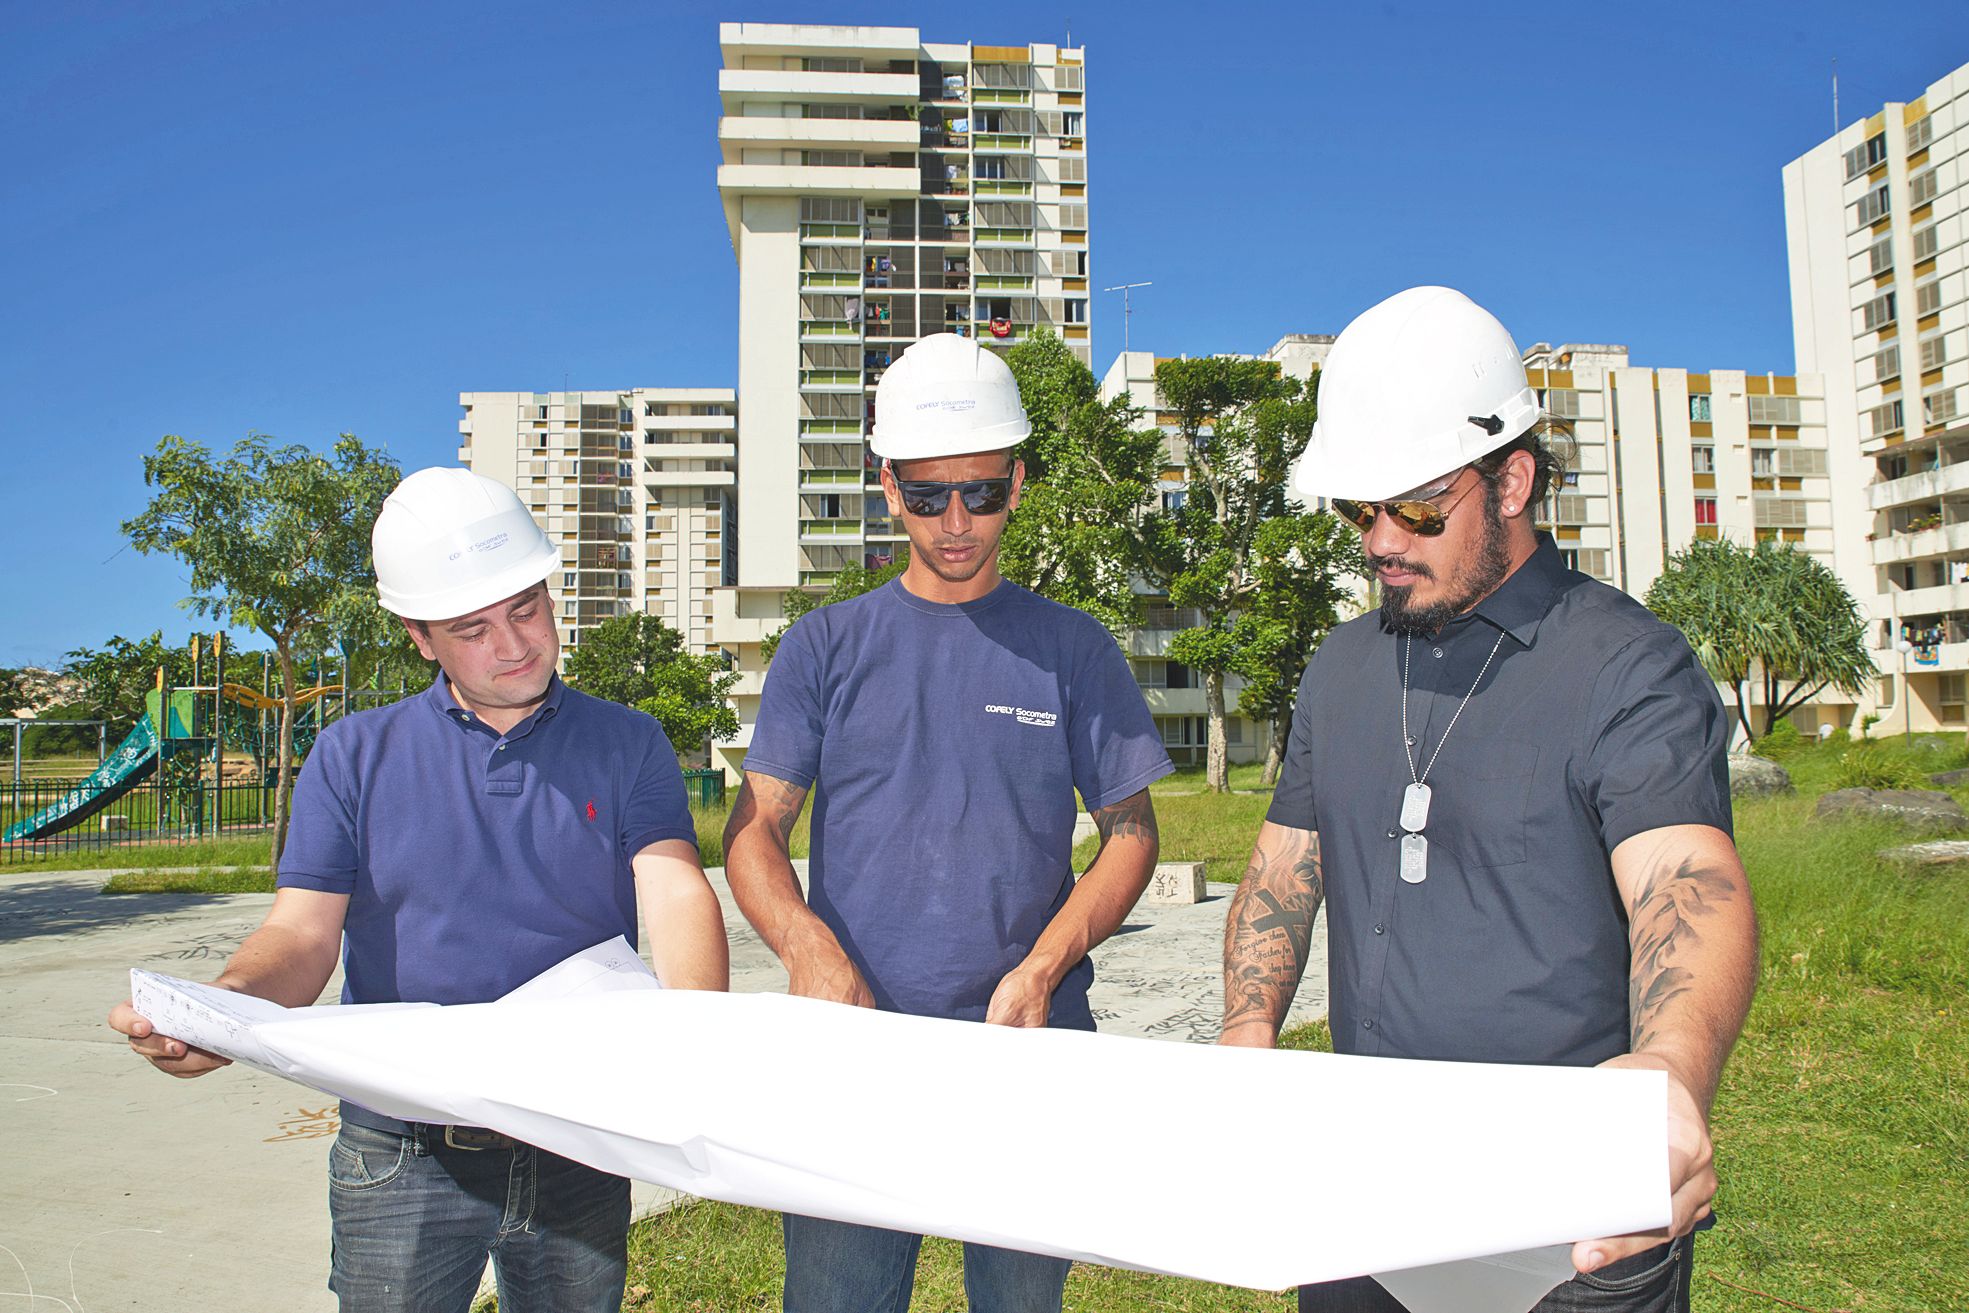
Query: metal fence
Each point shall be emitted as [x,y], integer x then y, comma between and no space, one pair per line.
[158,811]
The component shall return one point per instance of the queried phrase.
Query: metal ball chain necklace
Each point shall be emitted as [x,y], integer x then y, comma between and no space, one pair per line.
[1414,868]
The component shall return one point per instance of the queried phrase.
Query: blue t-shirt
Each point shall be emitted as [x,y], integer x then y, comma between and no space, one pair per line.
[943,744]
[473,860]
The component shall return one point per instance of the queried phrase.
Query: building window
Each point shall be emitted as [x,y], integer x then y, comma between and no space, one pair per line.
[1173,499]
[1702,458]
[1870,207]
[1076,312]
[1924,243]
[1938,406]
[1933,352]
[1886,362]
[1698,407]
[1880,256]
[1705,510]
[1865,155]
[1884,693]
[1886,418]
[1921,188]
[1563,402]
[1878,311]
[1775,410]
[1928,297]
[1762,462]
[1950,691]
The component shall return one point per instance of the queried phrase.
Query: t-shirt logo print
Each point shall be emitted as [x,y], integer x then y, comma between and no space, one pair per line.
[1025,716]
[591,809]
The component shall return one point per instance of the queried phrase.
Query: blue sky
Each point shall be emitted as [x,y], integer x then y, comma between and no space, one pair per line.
[303,219]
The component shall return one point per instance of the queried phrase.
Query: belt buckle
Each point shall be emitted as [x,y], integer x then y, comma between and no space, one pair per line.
[474,1138]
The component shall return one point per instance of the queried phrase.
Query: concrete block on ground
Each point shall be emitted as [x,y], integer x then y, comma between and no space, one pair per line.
[1936,852]
[1176,882]
[1083,828]
[1926,810]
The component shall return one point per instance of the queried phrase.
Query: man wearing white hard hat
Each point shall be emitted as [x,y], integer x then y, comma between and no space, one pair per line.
[943,723]
[446,850]
[1508,786]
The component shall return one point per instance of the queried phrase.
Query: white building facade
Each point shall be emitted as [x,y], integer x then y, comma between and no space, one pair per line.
[1874,224]
[636,488]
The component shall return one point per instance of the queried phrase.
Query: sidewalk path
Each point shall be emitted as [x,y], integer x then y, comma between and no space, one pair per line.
[124,1189]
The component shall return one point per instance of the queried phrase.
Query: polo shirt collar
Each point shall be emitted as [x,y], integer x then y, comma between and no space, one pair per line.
[1528,595]
[440,698]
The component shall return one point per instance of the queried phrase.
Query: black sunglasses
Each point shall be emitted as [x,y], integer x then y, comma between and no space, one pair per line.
[1425,519]
[981,496]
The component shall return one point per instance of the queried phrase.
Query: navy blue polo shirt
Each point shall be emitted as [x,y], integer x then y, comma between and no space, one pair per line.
[1593,724]
[944,743]
[475,860]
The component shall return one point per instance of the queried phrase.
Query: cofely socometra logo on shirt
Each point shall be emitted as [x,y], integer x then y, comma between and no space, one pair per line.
[1024,715]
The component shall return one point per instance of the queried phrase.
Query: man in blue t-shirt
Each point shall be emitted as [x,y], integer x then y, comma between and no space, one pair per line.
[943,723]
[448,849]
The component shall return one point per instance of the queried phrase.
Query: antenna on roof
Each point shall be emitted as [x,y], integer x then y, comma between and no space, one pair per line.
[1127,308]
[1835,95]
[1069,34]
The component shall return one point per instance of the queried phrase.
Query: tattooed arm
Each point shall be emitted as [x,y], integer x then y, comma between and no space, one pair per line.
[1692,936]
[1093,911]
[1268,933]
[759,868]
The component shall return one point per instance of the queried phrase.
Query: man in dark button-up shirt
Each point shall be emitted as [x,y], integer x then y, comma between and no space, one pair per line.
[1509,786]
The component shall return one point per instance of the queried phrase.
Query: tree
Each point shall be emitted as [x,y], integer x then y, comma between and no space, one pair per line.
[1299,564]
[852,581]
[115,678]
[1241,424]
[1090,473]
[641,662]
[1770,614]
[277,539]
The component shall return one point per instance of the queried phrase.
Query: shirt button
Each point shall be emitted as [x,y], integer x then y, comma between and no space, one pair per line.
[1391,834]
[1380,929]
[504,746]
[1436,652]
[1368,1024]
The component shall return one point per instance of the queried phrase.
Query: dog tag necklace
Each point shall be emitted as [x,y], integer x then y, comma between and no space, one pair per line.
[1414,868]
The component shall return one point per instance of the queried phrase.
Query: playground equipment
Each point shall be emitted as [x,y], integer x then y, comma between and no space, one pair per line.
[180,742]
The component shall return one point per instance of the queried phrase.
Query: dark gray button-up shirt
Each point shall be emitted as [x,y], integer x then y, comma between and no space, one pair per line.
[1593,724]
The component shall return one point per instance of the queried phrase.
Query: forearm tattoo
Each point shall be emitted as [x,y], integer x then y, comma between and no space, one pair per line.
[1270,928]
[1666,923]
[768,796]
[1131,818]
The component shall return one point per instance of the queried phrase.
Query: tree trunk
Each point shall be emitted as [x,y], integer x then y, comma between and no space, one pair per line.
[283,752]
[1217,769]
[1274,754]
[1743,712]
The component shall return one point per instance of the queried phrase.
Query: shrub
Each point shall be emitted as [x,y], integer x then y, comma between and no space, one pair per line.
[1783,740]
[1870,766]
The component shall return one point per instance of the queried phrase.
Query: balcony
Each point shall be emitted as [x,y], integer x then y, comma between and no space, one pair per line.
[884,134]
[654,456]
[738,85]
[1934,599]
[690,479]
[1924,486]
[1943,540]
[706,423]
[816,180]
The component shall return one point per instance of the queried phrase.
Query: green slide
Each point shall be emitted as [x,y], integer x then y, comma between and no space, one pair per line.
[130,765]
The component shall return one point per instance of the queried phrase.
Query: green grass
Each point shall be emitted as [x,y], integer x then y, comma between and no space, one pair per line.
[210,853]
[1216,829]
[202,880]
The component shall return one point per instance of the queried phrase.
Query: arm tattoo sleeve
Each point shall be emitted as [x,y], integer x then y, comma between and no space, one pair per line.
[766,796]
[1666,921]
[1270,927]
[1131,818]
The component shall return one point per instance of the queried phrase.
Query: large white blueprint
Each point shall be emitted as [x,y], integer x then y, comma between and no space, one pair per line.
[1063,1142]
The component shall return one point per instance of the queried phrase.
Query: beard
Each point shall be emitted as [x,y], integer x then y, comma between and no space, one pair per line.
[1471,581]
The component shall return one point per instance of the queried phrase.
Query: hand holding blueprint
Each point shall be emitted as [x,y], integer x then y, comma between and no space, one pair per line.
[1041,1140]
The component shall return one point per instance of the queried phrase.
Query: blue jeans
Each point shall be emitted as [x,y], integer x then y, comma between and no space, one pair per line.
[414,1219]
[838,1267]
[1653,1281]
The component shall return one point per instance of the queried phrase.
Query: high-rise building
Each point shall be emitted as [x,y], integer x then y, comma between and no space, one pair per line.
[879,188]
[636,488]
[1874,227]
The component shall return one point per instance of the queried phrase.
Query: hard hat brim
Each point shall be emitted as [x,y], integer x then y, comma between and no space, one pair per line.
[451,603]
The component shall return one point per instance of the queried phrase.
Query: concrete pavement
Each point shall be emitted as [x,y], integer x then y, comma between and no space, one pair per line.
[123,1189]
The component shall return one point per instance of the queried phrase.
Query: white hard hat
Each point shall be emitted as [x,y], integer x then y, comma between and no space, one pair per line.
[947,396]
[449,541]
[1417,386]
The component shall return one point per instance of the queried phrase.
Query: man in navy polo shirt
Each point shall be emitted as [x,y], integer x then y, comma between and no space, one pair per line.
[448,849]
[944,723]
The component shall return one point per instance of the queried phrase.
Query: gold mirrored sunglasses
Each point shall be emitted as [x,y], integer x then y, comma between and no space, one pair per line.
[1425,519]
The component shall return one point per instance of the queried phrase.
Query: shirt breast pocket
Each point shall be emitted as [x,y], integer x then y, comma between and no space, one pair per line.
[1489,813]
